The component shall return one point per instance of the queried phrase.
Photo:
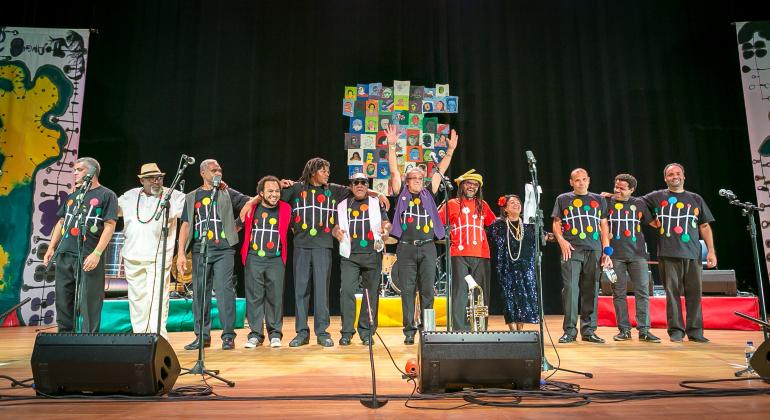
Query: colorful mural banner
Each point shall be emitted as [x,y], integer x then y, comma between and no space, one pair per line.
[42,83]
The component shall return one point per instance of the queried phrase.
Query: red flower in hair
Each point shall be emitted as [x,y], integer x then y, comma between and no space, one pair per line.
[501,201]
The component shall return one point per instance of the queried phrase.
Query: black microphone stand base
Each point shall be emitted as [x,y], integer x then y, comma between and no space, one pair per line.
[373,402]
[200,369]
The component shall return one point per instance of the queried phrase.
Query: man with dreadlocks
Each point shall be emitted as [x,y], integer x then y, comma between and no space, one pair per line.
[313,203]
[416,222]
[469,215]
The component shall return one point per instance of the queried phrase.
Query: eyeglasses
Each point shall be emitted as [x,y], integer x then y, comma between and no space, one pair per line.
[158,178]
[359,182]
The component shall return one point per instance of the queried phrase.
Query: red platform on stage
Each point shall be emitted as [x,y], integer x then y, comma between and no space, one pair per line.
[717,312]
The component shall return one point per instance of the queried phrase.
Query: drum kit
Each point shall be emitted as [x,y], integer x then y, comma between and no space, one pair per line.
[115,283]
[389,283]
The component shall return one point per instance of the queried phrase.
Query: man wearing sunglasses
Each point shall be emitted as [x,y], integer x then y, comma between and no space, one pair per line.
[362,227]
[142,251]
[416,224]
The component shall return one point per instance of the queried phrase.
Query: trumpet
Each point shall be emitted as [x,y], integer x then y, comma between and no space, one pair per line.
[476,312]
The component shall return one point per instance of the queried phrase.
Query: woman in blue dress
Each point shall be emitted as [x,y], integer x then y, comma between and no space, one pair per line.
[514,256]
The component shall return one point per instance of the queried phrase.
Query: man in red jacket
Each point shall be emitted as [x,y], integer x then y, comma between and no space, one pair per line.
[263,254]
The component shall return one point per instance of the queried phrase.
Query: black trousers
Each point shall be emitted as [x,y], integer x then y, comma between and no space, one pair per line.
[580,283]
[219,277]
[315,263]
[637,272]
[263,278]
[479,269]
[91,294]
[682,276]
[357,271]
[416,271]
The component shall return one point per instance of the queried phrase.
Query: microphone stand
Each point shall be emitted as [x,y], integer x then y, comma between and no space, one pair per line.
[539,243]
[373,402]
[163,211]
[79,223]
[749,209]
[446,186]
[200,368]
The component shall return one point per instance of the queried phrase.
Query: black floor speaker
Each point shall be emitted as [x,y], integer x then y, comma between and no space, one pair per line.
[130,364]
[451,361]
[760,362]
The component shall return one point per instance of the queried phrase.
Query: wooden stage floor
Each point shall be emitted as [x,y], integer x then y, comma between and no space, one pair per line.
[313,370]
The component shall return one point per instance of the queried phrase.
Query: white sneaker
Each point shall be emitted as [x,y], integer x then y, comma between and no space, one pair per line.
[275,342]
[252,343]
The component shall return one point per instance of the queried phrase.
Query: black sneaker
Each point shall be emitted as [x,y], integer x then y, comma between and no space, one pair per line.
[698,339]
[325,341]
[624,335]
[593,338]
[648,337]
[194,345]
[299,341]
[409,339]
[566,338]
[345,341]
[228,343]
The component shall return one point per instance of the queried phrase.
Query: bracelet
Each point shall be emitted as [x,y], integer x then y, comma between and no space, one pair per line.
[97,253]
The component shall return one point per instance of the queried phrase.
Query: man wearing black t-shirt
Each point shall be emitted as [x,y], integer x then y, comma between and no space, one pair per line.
[416,223]
[210,212]
[313,203]
[363,227]
[682,218]
[82,231]
[580,227]
[626,216]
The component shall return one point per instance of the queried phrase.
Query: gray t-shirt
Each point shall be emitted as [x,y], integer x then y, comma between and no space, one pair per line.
[680,216]
[580,217]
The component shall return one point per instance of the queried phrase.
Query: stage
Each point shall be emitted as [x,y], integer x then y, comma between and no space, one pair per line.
[294,382]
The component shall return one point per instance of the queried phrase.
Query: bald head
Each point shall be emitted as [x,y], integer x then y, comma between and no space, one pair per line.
[579,181]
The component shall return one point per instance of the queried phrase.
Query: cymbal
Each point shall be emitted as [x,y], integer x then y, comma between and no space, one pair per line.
[391,240]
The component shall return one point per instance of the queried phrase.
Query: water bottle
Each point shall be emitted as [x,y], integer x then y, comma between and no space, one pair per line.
[749,352]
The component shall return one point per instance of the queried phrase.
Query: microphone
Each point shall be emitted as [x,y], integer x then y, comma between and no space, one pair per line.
[727,194]
[216,180]
[530,157]
[447,183]
[181,185]
[90,175]
[189,159]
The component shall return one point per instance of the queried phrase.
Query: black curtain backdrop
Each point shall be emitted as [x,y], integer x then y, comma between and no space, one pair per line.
[611,86]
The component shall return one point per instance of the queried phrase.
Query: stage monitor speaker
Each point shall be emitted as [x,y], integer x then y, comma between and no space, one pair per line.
[760,362]
[719,282]
[451,361]
[132,364]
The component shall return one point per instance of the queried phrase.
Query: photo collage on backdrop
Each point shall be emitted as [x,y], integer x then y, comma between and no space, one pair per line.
[372,107]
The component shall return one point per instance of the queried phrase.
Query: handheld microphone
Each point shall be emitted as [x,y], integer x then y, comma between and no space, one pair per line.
[216,180]
[189,159]
[727,194]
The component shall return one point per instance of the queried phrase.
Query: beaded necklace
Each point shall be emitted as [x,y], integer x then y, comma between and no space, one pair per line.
[515,232]
[157,206]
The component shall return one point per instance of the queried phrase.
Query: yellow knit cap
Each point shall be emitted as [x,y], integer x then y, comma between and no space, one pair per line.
[472,176]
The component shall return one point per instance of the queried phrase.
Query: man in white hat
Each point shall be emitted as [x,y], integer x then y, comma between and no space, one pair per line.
[142,251]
